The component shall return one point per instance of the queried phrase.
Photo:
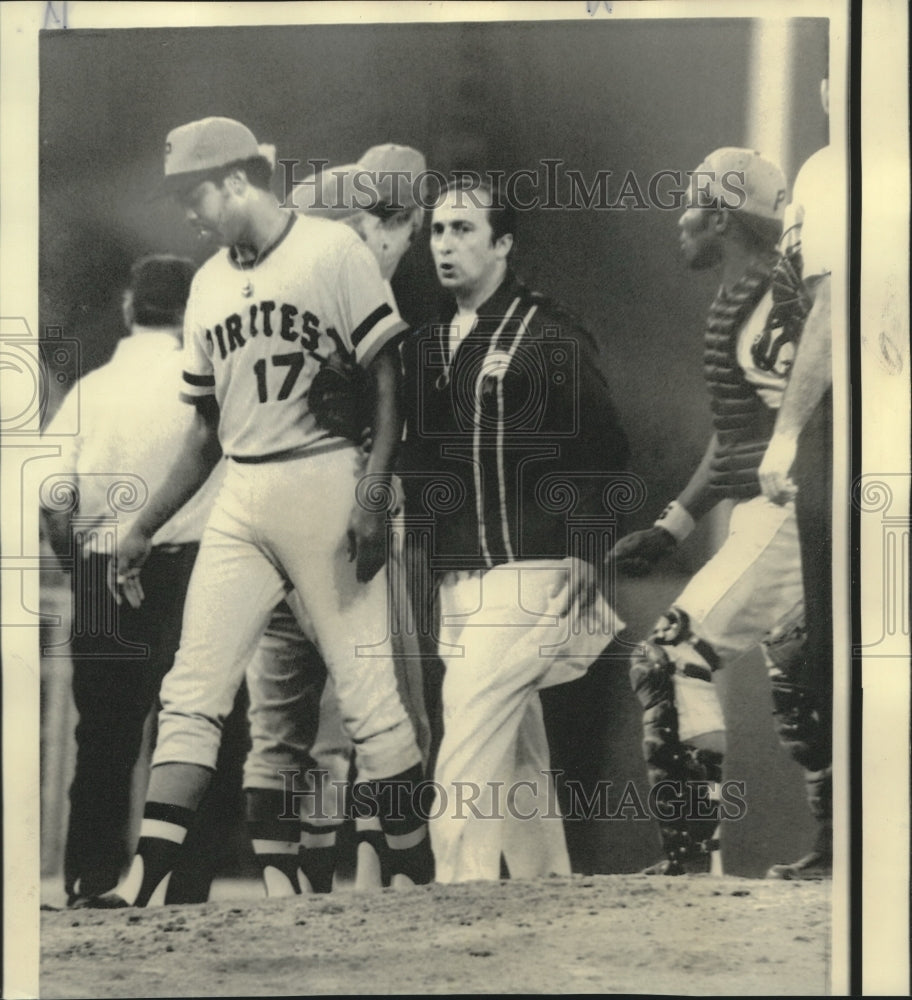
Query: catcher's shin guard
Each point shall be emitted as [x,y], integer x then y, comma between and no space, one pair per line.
[798,722]
[683,740]
[806,737]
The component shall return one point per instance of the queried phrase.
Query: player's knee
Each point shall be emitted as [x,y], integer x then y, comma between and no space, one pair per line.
[671,674]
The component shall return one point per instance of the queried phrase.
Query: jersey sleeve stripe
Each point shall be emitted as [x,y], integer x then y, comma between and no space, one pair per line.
[366,325]
[193,400]
[388,333]
[201,381]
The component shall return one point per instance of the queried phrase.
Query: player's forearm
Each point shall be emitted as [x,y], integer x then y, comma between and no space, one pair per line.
[387,422]
[197,456]
[697,497]
[812,372]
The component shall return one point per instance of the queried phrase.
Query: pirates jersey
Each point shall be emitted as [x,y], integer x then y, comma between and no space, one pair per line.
[255,335]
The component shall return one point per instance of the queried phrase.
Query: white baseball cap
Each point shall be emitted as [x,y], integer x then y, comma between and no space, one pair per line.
[740,179]
[197,148]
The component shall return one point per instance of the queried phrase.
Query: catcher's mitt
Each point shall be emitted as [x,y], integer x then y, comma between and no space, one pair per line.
[341,397]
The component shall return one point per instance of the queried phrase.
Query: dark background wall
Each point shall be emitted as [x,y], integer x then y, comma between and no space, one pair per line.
[597,94]
[641,96]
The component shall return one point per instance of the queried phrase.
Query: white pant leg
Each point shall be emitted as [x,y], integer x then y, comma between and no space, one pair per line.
[232,592]
[501,620]
[534,843]
[332,753]
[285,681]
[751,582]
[315,496]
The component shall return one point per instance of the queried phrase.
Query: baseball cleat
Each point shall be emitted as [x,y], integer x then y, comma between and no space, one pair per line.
[108,901]
[702,863]
[401,881]
[816,865]
[695,866]
[664,867]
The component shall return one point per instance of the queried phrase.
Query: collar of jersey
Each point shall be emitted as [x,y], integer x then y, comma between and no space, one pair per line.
[251,264]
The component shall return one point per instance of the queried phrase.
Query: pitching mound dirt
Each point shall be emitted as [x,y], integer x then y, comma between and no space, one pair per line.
[604,934]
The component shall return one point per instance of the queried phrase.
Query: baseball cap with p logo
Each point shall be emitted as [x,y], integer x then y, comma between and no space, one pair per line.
[741,180]
[196,149]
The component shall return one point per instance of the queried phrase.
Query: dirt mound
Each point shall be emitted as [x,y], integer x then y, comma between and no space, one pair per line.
[603,934]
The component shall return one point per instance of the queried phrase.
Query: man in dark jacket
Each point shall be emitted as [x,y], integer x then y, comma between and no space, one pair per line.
[507,464]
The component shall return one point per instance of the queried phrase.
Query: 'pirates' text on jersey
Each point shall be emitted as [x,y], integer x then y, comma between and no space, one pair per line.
[253,336]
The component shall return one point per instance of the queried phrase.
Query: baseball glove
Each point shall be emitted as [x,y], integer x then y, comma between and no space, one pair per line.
[637,553]
[341,397]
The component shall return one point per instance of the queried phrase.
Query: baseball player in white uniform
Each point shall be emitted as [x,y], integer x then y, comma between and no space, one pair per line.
[286,669]
[732,221]
[284,290]
[798,465]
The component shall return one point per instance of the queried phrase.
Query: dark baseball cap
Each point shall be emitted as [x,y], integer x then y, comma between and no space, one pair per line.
[161,282]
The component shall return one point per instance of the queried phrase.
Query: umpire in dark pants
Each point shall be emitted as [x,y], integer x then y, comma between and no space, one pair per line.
[114,687]
[129,421]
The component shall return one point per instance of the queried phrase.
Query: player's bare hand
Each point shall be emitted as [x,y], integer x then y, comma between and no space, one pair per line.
[367,542]
[123,571]
[774,470]
[637,553]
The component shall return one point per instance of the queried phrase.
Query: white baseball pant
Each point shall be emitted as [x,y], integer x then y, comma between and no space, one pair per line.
[502,640]
[274,524]
[293,725]
[751,582]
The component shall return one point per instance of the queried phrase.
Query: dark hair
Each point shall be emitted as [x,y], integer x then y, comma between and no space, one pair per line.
[257,169]
[160,284]
[501,214]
